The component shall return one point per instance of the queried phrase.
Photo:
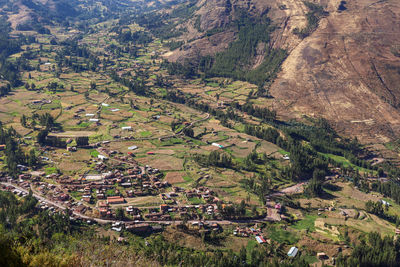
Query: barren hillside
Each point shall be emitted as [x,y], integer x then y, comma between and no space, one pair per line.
[346,70]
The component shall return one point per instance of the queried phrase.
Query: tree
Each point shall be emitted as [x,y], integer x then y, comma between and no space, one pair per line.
[42,136]
[23,121]
[93,85]
[32,159]
[82,141]
[242,208]
[119,214]
[188,132]
[314,188]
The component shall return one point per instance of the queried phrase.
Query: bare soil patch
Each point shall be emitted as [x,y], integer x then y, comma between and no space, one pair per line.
[174,177]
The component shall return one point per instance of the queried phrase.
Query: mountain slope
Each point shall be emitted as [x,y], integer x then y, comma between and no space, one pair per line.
[345,67]
[348,71]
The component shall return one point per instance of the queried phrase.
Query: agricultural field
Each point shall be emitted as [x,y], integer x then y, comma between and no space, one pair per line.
[103,128]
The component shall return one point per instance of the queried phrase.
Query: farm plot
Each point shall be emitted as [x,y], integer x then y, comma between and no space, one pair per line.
[162,162]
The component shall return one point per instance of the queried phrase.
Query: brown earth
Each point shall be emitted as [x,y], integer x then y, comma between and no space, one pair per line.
[346,71]
[174,177]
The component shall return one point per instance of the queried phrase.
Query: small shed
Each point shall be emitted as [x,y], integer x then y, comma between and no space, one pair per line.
[384,202]
[260,239]
[217,145]
[293,252]
[102,157]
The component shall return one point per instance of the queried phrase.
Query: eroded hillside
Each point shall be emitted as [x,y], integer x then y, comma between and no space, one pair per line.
[346,69]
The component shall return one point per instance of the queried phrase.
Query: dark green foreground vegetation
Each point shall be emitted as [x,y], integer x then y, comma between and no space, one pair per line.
[29,237]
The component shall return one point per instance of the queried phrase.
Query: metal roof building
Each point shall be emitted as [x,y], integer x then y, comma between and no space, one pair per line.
[293,252]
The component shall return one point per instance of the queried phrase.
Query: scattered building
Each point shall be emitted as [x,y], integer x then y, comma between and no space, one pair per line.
[217,145]
[293,252]
[384,202]
[260,239]
[102,157]
[115,200]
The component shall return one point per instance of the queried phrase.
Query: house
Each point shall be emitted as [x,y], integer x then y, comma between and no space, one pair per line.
[384,202]
[260,239]
[105,105]
[103,212]
[89,115]
[93,120]
[87,198]
[164,208]
[103,204]
[81,209]
[24,176]
[217,145]
[322,256]
[126,184]
[132,147]
[115,200]
[102,157]
[126,128]
[63,197]
[22,167]
[293,252]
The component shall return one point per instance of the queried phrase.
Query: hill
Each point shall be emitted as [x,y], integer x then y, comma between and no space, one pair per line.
[342,57]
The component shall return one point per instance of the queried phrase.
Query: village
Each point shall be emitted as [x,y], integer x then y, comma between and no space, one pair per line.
[133,163]
[105,198]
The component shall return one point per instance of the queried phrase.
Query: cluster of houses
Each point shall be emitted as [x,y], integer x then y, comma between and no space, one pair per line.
[250,231]
[14,190]
[50,191]
[202,192]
